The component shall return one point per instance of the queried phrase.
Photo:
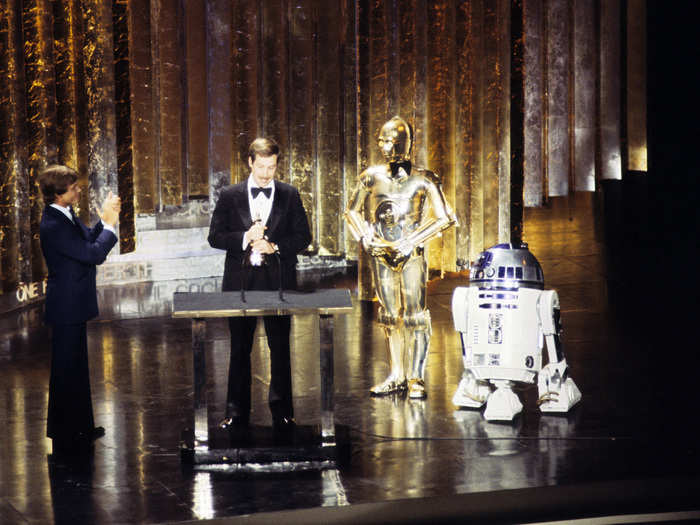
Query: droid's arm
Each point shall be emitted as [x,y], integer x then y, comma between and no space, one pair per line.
[359,228]
[550,321]
[442,217]
[557,390]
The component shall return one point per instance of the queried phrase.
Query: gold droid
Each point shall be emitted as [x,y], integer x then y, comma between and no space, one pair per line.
[393,211]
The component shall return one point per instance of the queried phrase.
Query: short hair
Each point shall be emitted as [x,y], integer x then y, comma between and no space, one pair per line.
[263,147]
[55,180]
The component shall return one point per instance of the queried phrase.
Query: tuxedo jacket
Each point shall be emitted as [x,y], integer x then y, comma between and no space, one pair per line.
[287,226]
[72,252]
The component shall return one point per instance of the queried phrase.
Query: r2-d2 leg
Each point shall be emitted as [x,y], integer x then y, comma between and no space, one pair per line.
[471,392]
[557,391]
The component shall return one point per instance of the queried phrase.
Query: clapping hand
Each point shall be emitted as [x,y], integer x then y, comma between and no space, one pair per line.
[110,210]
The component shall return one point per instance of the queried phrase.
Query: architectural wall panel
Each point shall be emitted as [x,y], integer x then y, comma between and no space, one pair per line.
[196,105]
[303,109]
[636,86]
[220,95]
[329,179]
[274,79]
[534,124]
[98,65]
[440,130]
[168,60]
[584,65]
[159,101]
[122,103]
[142,94]
[40,89]
[610,155]
[558,103]
[247,91]
[15,233]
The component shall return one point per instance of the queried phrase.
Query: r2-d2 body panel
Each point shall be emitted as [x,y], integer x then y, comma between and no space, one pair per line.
[502,338]
[504,318]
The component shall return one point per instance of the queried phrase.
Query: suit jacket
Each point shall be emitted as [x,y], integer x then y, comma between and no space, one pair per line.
[287,226]
[72,253]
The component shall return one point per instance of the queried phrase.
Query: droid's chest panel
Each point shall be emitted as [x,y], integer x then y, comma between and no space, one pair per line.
[503,338]
[396,209]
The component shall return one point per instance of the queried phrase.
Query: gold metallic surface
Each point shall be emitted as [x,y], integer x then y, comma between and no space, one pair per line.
[122,104]
[143,145]
[41,113]
[393,211]
[274,79]
[197,115]
[167,52]
[221,95]
[302,111]
[15,233]
[636,86]
[328,178]
[247,99]
[98,65]
[202,79]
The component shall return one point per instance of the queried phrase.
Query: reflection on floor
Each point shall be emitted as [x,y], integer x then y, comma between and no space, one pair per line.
[140,358]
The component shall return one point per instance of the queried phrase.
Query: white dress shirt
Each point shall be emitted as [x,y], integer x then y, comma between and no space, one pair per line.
[260,206]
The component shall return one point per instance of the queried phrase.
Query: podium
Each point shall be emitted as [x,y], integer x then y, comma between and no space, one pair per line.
[201,446]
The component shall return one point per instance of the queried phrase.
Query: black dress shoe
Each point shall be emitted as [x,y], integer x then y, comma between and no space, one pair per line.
[233,422]
[95,433]
[284,423]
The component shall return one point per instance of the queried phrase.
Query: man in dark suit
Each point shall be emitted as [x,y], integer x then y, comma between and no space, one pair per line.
[260,219]
[72,251]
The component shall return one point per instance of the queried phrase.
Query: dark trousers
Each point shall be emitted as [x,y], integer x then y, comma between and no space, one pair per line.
[242,330]
[70,400]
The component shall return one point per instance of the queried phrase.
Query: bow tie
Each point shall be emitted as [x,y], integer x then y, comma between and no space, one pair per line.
[406,165]
[265,191]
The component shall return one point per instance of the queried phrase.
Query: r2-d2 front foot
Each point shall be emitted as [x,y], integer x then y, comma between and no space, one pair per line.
[558,393]
[471,393]
[503,404]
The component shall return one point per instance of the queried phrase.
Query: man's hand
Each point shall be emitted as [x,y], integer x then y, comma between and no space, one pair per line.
[256,232]
[263,246]
[110,210]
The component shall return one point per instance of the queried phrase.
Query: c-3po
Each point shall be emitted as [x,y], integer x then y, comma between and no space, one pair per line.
[394,210]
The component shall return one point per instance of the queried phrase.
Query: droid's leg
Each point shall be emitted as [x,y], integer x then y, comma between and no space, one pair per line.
[386,284]
[503,404]
[471,392]
[416,323]
[558,392]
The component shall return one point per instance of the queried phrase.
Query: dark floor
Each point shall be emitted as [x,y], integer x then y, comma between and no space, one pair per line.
[633,424]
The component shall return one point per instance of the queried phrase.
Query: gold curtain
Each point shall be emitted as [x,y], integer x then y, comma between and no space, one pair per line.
[158,100]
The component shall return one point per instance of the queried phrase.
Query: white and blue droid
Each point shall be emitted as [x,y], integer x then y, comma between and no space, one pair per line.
[504,317]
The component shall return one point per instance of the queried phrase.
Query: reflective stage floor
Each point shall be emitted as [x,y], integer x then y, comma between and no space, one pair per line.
[629,447]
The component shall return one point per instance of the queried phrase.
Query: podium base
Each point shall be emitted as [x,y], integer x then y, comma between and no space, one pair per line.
[260,449]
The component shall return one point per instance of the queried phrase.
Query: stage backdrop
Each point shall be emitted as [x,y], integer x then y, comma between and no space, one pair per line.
[512,102]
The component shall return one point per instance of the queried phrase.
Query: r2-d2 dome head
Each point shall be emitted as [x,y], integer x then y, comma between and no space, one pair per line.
[395,140]
[507,267]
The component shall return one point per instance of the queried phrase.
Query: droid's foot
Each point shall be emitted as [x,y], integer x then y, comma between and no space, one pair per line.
[416,389]
[561,399]
[503,404]
[391,385]
[471,393]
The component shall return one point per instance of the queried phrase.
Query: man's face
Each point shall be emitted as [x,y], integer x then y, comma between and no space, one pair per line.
[70,197]
[263,169]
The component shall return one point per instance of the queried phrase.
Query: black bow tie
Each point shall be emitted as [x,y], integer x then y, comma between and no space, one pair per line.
[265,191]
[406,165]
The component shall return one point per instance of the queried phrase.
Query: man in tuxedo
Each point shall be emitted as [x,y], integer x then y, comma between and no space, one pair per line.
[72,252]
[262,225]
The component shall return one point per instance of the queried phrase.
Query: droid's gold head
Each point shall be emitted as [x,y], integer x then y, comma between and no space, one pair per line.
[395,140]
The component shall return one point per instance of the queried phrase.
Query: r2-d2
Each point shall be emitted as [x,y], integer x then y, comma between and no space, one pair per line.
[503,318]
